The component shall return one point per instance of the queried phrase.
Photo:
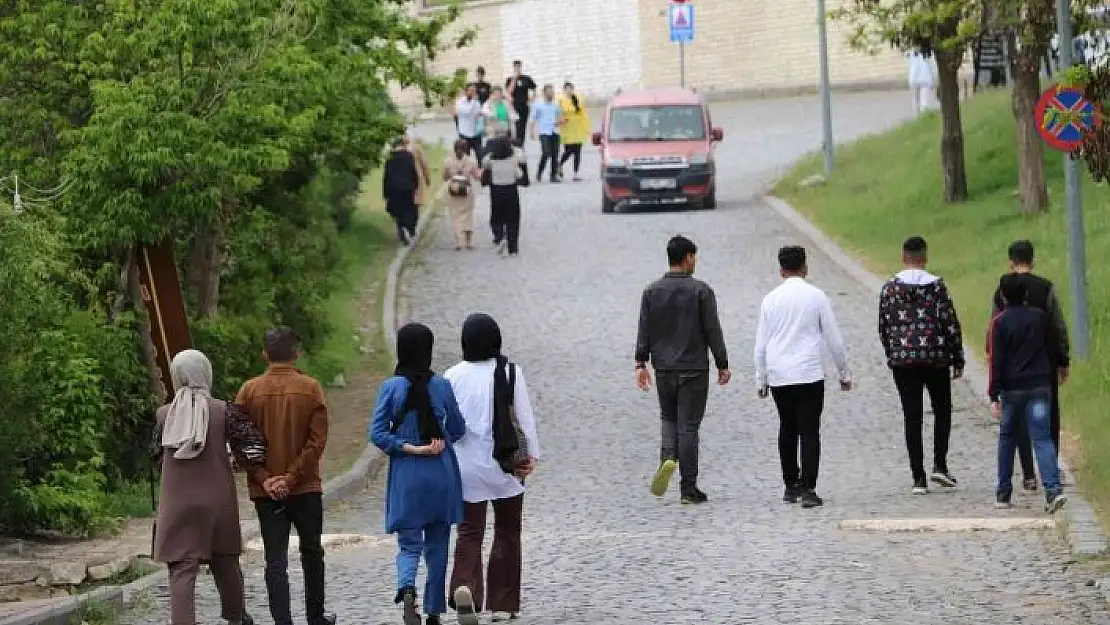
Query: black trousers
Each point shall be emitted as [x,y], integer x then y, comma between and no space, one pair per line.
[305,513]
[405,213]
[549,146]
[521,125]
[572,150]
[912,381]
[475,144]
[1024,443]
[682,399]
[800,407]
[504,215]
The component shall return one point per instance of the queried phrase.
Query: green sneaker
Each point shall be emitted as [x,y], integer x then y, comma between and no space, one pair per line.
[662,478]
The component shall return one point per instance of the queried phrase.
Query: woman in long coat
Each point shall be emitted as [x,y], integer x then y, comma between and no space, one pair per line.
[198,511]
[461,172]
[416,423]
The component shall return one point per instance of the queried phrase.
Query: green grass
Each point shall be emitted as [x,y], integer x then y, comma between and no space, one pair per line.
[887,187]
[128,501]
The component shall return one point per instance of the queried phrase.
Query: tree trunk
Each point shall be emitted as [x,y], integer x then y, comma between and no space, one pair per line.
[205,263]
[952,134]
[146,341]
[1027,90]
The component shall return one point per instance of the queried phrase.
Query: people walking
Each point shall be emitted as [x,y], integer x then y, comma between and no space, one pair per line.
[1041,294]
[500,449]
[416,423]
[795,320]
[289,409]
[678,328]
[547,117]
[198,510]
[400,184]
[1020,388]
[922,79]
[575,131]
[482,88]
[469,113]
[460,172]
[498,113]
[423,172]
[521,90]
[921,335]
[504,172]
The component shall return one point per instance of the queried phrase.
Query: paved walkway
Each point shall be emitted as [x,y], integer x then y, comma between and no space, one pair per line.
[598,548]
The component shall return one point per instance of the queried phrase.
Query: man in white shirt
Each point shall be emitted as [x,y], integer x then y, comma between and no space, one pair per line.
[795,319]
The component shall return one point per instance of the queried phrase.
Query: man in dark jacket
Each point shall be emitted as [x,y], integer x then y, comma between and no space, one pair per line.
[921,335]
[678,327]
[1020,388]
[400,181]
[1040,294]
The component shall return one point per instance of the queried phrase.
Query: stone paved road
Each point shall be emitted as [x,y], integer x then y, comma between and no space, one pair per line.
[598,548]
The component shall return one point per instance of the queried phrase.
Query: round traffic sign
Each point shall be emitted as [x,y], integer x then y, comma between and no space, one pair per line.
[1064,115]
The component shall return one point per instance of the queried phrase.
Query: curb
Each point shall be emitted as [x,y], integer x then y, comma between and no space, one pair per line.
[340,487]
[1085,535]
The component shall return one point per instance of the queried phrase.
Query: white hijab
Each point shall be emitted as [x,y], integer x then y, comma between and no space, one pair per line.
[186,426]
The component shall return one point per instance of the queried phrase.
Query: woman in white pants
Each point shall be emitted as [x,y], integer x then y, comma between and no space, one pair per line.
[922,79]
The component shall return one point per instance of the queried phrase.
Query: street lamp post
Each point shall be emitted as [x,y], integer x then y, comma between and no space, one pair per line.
[826,96]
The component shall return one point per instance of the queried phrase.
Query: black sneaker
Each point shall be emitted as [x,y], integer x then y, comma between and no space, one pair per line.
[810,499]
[329,618]
[1029,485]
[944,478]
[1002,501]
[694,496]
[1054,502]
[433,619]
[792,494]
[920,487]
[409,613]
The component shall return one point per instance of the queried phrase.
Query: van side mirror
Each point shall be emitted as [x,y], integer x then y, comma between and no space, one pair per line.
[718,134]
[595,138]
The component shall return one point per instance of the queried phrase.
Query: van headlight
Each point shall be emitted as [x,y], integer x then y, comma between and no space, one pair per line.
[699,159]
[616,166]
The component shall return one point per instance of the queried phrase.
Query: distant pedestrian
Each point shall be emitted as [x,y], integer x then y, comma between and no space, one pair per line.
[922,79]
[416,423]
[289,408]
[400,184]
[498,452]
[576,130]
[503,171]
[423,172]
[678,328]
[547,117]
[498,112]
[469,112]
[1020,388]
[198,510]
[921,335]
[1040,294]
[482,88]
[460,173]
[521,89]
[795,320]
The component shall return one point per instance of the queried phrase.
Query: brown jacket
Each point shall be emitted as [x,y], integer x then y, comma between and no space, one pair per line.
[290,410]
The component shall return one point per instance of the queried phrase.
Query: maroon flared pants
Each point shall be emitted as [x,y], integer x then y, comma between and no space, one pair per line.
[500,589]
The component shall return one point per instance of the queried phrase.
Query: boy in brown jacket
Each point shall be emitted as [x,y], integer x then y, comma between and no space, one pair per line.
[290,410]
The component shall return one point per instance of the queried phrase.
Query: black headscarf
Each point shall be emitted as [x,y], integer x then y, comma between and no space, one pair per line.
[481,341]
[414,363]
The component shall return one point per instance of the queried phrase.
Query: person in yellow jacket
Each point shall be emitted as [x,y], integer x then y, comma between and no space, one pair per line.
[575,130]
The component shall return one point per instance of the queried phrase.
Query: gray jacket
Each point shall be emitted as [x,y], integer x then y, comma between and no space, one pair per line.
[679,325]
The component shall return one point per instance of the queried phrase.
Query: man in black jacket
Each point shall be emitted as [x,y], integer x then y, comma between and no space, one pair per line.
[678,327]
[1020,388]
[1040,294]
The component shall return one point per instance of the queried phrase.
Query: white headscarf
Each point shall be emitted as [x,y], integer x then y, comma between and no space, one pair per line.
[186,426]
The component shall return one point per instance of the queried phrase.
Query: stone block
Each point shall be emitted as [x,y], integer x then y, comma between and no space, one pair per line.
[109,570]
[67,572]
[19,571]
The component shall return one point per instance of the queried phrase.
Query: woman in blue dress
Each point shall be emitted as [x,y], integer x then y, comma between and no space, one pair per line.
[416,423]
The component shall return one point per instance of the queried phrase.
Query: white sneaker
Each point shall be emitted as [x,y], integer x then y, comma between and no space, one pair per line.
[503,616]
[464,606]
[501,247]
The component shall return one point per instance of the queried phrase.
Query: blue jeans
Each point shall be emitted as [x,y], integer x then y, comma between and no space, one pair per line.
[1034,407]
[433,543]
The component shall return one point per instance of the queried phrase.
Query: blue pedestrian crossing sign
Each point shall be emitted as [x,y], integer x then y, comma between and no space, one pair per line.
[681,17]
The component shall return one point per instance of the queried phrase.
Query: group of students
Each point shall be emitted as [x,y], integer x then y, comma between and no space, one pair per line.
[457,444]
[921,336]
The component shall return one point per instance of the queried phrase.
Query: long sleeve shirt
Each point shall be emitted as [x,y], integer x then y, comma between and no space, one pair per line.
[795,320]
[1019,351]
[1041,294]
[679,325]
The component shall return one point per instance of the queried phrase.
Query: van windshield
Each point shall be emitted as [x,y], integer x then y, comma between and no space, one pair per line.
[657,123]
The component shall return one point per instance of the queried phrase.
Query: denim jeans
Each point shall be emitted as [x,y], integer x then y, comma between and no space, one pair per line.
[432,542]
[1033,406]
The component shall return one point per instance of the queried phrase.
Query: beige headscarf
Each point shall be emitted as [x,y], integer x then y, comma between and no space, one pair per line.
[186,426]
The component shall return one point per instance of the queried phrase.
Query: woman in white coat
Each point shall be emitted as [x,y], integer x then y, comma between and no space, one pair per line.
[922,79]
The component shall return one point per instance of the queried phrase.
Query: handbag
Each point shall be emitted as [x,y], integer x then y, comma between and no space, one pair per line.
[487,177]
[520,456]
[458,186]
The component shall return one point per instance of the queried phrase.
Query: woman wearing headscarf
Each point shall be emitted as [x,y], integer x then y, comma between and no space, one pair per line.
[575,131]
[504,171]
[198,511]
[460,172]
[400,185]
[416,423]
[499,450]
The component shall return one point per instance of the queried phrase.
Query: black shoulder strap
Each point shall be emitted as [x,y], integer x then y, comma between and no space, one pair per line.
[512,383]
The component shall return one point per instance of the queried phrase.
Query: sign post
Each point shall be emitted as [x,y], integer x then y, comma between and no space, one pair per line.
[681,18]
[826,95]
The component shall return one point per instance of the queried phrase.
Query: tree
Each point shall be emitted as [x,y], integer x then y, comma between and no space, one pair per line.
[938,27]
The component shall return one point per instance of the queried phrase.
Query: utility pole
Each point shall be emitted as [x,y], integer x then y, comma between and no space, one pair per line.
[682,64]
[1077,245]
[826,96]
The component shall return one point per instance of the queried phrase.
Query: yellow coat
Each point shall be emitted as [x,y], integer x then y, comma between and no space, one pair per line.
[577,127]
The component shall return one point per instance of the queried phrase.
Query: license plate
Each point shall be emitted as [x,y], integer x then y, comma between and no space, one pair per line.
[658,183]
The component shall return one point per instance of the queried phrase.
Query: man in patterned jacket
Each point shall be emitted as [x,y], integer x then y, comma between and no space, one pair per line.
[921,335]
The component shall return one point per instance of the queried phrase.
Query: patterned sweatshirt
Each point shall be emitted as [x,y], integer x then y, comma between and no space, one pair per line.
[918,323]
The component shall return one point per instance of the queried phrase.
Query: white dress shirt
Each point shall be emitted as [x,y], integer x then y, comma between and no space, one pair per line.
[468,112]
[482,477]
[794,320]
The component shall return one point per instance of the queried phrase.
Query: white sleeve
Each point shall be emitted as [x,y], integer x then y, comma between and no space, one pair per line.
[761,338]
[830,331]
[522,404]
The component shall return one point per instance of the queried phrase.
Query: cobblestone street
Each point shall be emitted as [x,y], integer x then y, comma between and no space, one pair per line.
[599,550]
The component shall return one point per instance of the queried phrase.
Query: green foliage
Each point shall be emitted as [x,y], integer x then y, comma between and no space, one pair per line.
[241,130]
[910,24]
